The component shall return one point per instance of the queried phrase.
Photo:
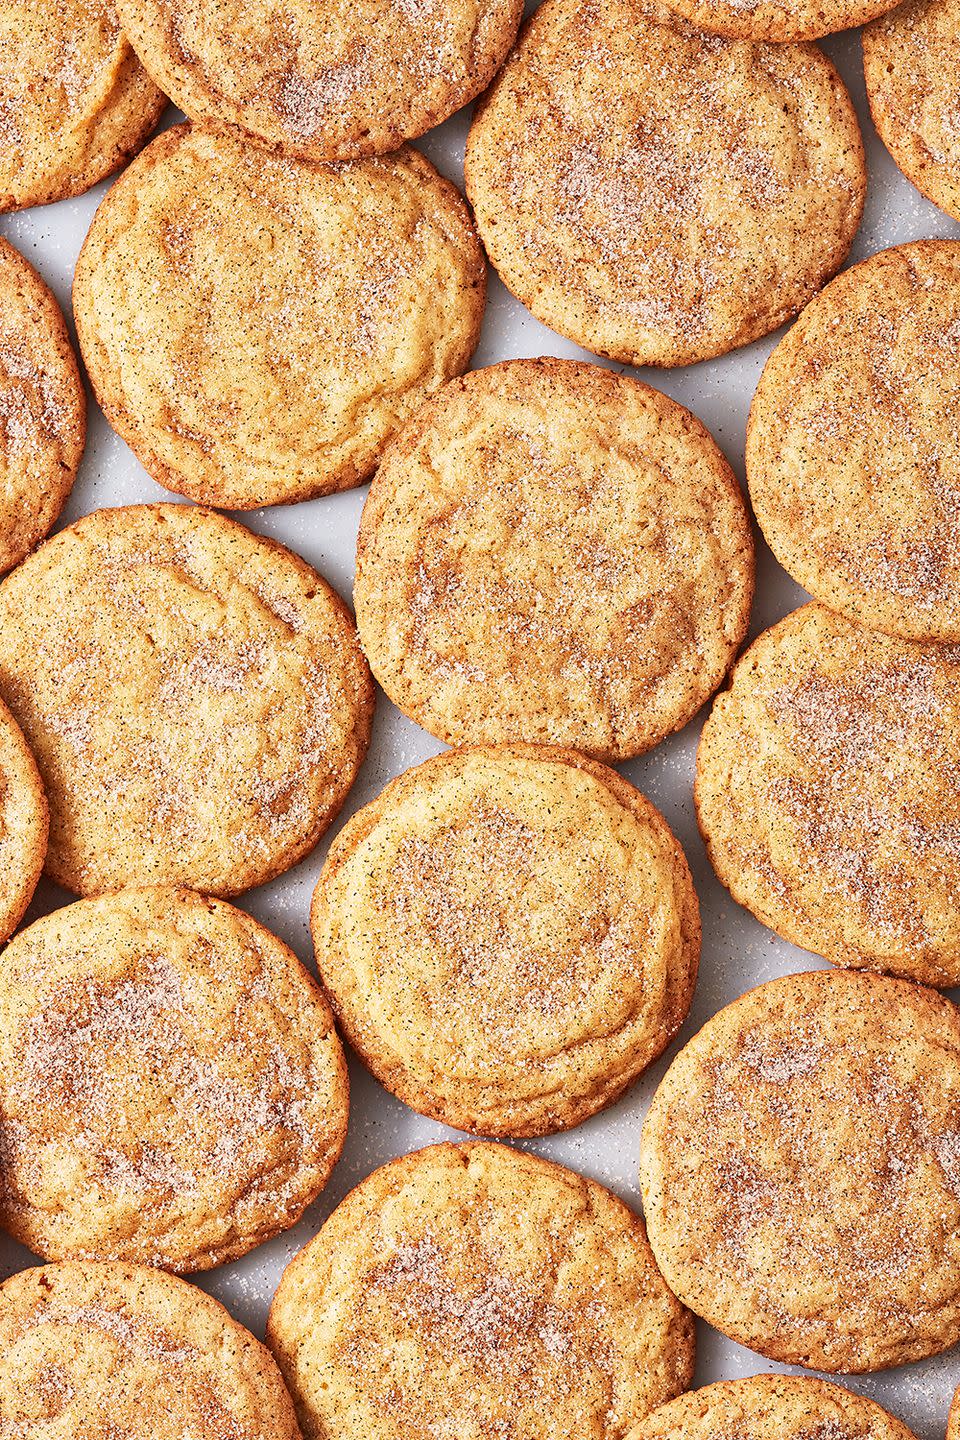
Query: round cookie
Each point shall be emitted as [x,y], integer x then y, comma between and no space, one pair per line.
[256,329]
[24,824]
[172,1089]
[779,20]
[194,695]
[509,937]
[529,1289]
[771,1407]
[336,81]
[75,102]
[953,1422]
[827,794]
[43,416]
[657,194]
[124,1352]
[852,444]
[800,1168]
[910,61]
[554,553]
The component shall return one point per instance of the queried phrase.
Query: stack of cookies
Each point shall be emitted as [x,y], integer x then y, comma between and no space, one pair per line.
[279,299]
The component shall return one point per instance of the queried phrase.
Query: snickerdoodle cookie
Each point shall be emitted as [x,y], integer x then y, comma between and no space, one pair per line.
[553,553]
[801,1171]
[853,449]
[771,1407]
[953,1422]
[509,937]
[256,329]
[658,194]
[23,825]
[911,61]
[194,695]
[531,1291]
[172,1089]
[779,20]
[75,102]
[828,793]
[122,1352]
[42,408]
[335,81]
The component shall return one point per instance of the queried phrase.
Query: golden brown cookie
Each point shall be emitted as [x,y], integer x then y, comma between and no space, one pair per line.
[256,329]
[657,194]
[172,1089]
[194,694]
[322,82]
[953,1423]
[508,936]
[43,417]
[911,59]
[771,1407]
[531,1291]
[553,553]
[827,794]
[779,20]
[122,1352]
[75,102]
[24,824]
[853,447]
[800,1168]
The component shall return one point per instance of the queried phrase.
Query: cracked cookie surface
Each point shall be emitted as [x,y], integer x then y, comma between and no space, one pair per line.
[172,1089]
[771,1407]
[552,553]
[531,1290]
[194,695]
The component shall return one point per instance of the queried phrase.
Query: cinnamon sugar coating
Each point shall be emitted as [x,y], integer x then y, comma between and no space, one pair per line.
[508,936]
[75,102]
[474,1291]
[556,554]
[42,409]
[953,1421]
[194,695]
[911,58]
[658,194]
[121,1352]
[853,448]
[771,1407]
[800,1168]
[257,328]
[335,81]
[24,823]
[172,1089]
[828,793]
[779,20]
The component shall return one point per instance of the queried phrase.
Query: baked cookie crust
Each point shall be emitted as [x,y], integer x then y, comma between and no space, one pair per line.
[24,824]
[109,1351]
[529,1289]
[657,194]
[194,695]
[800,1175]
[337,81]
[257,329]
[43,409]
[827,794]
[509,937]
[910,61]
[852,445]
[771,1407]
[75,102]
[172,1088]
[556,554]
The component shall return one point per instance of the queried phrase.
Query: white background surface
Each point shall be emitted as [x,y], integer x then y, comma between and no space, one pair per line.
[738,952]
